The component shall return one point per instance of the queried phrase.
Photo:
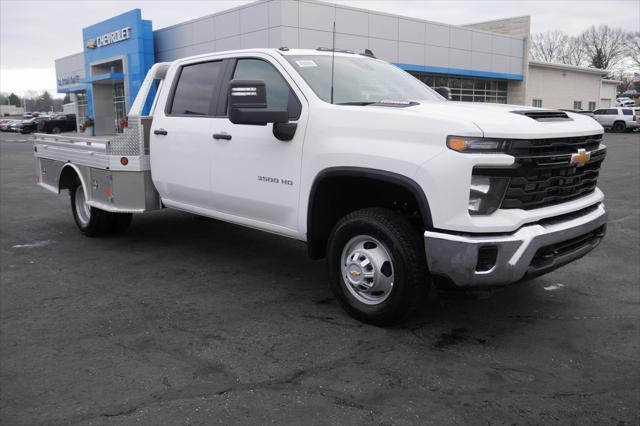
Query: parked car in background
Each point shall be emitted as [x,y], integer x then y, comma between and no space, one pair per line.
[617,119]
[629,94]
[4,121]
[16,126]
[6,125]
[31,125]
[625,102]
[58,124]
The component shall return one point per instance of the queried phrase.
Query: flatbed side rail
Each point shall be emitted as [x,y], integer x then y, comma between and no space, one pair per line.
[72,142]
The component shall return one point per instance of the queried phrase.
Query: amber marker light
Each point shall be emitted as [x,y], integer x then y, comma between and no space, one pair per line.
[457,143]
[124,161]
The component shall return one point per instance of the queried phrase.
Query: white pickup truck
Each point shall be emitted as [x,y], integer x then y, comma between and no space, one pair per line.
[396,186]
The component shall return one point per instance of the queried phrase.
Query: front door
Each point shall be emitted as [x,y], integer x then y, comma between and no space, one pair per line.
[181,142]
[255,176]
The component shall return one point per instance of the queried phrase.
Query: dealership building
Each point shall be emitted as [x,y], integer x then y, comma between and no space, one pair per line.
[481,62]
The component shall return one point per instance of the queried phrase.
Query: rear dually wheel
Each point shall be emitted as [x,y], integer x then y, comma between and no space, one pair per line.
[94,222]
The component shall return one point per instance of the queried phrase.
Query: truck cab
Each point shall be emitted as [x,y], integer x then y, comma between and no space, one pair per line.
[397,187]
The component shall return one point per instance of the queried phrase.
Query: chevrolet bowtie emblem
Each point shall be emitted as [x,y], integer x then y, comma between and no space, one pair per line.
[355,274]
[580,158]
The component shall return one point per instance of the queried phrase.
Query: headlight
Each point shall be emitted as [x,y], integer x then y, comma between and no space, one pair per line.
[471,144]
[486,194]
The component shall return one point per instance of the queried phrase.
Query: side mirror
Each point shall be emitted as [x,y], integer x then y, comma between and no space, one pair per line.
[445,92]
[248,104]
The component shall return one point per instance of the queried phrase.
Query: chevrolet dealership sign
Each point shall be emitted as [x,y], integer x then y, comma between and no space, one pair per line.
[109,38]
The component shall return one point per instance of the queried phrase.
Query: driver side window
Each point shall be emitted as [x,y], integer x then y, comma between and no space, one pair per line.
[279,94]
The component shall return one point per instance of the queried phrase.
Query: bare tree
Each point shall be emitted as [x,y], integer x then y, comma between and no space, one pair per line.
[605,46]
[626,81]
[633,45]
[548,46]
[574,52]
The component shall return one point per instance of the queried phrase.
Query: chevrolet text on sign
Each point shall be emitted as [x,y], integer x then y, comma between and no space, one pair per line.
[110,38]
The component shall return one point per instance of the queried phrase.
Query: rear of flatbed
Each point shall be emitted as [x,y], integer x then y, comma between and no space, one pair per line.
[114,172]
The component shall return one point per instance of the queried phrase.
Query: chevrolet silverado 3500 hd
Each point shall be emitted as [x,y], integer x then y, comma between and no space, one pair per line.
[396,186]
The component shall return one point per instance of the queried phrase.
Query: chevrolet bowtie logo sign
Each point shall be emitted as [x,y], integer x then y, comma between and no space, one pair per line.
[91,43]
[580,158]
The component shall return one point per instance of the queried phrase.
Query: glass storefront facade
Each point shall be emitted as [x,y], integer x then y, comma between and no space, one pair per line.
[81,105]
[119,106]
[467,89]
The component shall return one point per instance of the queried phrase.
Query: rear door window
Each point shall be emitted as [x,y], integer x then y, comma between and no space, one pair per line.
[197,90]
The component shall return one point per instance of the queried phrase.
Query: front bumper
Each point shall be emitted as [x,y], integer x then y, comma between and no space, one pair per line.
[495,260]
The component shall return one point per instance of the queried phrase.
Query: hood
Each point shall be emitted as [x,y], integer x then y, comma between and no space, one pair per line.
[500,120]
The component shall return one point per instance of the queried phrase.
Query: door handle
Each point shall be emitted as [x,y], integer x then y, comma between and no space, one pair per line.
[162,132]
[225,136]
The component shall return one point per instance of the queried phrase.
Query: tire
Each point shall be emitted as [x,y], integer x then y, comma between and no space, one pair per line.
[377,266]
[94,222]
[619,127]
[56,130]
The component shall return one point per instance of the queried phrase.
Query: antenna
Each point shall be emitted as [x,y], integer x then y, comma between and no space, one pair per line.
[333,58]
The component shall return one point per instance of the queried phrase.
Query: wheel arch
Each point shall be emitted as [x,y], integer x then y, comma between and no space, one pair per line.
[317,231]
[69,174]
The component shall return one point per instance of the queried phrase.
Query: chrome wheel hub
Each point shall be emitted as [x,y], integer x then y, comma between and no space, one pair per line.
[83,210]
[367,269]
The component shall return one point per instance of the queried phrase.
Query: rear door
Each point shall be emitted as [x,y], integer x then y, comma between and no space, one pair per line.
[605,116]
[598,115]
[181,141]
[255,176]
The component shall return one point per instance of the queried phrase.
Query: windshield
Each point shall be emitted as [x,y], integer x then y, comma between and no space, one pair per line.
[359,80]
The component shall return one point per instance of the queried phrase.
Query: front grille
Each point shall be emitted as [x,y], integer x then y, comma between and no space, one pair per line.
[546,255]
[540,186]
[542,174]
[554,146]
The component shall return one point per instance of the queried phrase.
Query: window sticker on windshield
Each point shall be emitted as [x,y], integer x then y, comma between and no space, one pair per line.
[306,63]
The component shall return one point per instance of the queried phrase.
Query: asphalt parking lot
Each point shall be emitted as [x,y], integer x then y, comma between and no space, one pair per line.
[186,320]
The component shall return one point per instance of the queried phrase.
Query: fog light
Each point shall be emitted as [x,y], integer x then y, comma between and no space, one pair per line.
[486,193]
[487,257]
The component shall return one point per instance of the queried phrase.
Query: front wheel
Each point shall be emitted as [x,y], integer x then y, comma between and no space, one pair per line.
[377,266]
[94,222]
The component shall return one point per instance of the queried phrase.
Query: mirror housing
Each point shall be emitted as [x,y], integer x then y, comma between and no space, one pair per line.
[248,104]
[445,92]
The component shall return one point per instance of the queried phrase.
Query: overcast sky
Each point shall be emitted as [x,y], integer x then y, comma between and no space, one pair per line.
[34,33]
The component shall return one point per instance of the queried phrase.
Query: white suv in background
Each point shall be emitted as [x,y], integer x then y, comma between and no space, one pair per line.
[625,102]
[617,119]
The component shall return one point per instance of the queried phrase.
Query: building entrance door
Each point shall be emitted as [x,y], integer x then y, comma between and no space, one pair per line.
[108,96]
